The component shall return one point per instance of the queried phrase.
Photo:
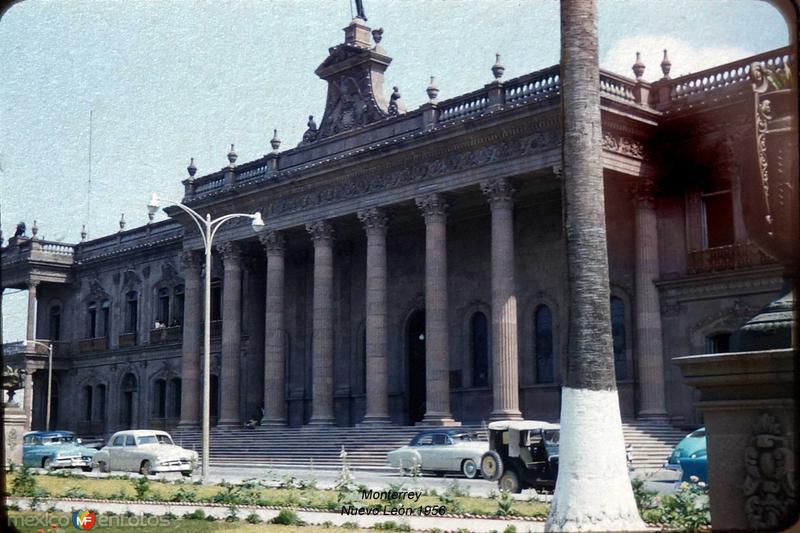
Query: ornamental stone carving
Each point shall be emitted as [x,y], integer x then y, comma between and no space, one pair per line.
[191,260]
[433,206]
[374,219]
[623,145]
[498,191]
[643,192]
[732,317]
[768,486]
[231,252]
[96,291]
[274,242]
[321,231]
[169,274]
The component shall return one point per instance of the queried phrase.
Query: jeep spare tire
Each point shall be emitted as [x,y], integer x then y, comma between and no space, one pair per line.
[491,466]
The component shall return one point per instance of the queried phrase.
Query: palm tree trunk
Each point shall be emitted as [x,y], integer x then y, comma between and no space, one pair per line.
[593,492]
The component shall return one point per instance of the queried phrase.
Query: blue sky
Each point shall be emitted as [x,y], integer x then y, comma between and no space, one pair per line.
[170,79]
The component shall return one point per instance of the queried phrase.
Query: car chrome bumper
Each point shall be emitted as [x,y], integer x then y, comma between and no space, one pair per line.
[61,462]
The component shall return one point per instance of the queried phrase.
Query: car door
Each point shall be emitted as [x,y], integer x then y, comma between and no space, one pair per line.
[29,450]
[113,451]
[438,452]
[425,449]
[131,454]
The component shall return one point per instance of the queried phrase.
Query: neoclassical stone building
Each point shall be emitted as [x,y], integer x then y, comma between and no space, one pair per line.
[414,264]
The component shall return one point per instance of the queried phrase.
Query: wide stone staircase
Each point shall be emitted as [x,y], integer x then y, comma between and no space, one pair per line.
[367,446]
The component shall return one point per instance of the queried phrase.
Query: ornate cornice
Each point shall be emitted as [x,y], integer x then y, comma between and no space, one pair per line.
[499,191]
[274,243]
[321,232]
[433,206]
[374,220]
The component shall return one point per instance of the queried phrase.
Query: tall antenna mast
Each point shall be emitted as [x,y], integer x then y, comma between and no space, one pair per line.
[89,184]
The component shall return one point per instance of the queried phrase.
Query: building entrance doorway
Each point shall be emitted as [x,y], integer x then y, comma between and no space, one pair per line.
[415,344]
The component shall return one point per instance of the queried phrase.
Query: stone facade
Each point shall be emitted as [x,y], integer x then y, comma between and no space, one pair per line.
[414,264]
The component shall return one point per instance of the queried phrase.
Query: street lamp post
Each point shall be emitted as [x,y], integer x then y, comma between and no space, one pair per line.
[208,229]
[49,378]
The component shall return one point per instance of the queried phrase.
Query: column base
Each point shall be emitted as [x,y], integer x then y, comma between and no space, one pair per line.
[272,422]
[375,420]
[321,421]
[653,415]
[438,419]
[505,414]
[188,424]
[230,423]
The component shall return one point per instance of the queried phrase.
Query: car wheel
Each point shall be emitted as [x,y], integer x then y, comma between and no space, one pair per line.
[510,481]
[86,468]
[145,469]
[469,468]
[491,466]
[186,473]
[47,463]
[102,467]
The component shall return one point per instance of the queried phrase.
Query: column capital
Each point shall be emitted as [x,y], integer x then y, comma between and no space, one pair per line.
[498,191]
[432,206]
[321,232]
[374,219]
[32,284]
[274,243]
[231,252]
[191,260]
[643,192]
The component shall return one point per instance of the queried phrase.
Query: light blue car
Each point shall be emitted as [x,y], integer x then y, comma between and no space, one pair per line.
[690,457]
[55,449]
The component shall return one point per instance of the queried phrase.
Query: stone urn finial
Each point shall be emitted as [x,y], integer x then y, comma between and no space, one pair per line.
[377,36]
[432,90]
[83,232]
[122,222]
[638,67]
[232,156]
[34,231]
[666,65]
[191,169]
[275,142]
[498,69]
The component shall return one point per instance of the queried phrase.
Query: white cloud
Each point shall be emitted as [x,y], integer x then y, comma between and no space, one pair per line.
[685,58]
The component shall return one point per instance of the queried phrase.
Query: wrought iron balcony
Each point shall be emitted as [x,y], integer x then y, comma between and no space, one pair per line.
[728,257]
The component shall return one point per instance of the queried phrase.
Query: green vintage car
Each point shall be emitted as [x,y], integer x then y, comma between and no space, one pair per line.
[55,449]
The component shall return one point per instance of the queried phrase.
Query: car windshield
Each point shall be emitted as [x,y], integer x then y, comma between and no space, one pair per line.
[48,441]
[700,433]
[164,439]
[155,439]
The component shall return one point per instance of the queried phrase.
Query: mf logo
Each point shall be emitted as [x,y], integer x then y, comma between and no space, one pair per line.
[84,520]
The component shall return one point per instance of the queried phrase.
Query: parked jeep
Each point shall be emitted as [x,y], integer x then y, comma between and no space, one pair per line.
[522,454]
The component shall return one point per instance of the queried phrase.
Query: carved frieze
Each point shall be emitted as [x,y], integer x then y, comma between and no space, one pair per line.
[732,316]
[769,482]
[623,145]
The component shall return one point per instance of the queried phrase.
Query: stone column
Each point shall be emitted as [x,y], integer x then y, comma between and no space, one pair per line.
[230,392]
[191,356]
[377,385]
[274,355]
[437,357]
[648,309]
[30,330]
[505,386]
[27,401]
[322,339]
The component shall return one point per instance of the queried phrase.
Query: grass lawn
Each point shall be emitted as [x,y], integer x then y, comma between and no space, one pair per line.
[254,494]
[29,521]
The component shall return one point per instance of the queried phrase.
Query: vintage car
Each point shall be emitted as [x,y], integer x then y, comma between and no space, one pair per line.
[689,457]
[144,451]
[55,449]
[522,454]
[440,451]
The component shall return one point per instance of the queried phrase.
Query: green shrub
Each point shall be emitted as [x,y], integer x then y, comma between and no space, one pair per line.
[170,516]
[24,483]
[74,492]
[505,505]
[390,525]
[645,498]
[456,489]
[349,525]
[394,488]
[510,528]
[287,517]
[687,508]
[233,514]
[197,514]
[228,494]
[183,494]
[253,518]
[141,486]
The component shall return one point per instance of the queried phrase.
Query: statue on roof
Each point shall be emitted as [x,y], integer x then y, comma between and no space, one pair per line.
[20,231]
[360,10]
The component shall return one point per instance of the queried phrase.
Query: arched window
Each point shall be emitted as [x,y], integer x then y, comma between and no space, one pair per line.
[618,336]
[718,342]
[131,312]
[216,299]
[55,323]
[544,344]
[91,320]
[159,409]
[106,313]
[87,402]
[177,312]
[479,348]
[162,306]
[174,398]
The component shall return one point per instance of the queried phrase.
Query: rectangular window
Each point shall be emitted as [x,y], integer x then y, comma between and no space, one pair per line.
[718,218]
